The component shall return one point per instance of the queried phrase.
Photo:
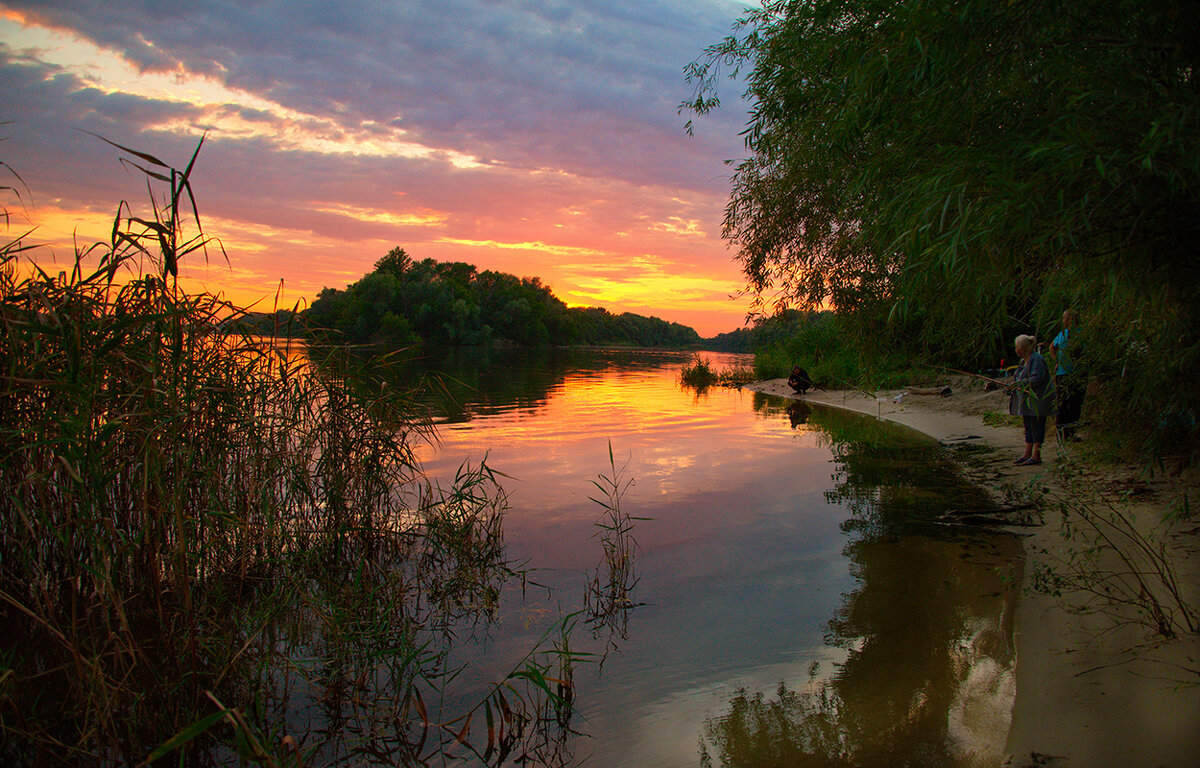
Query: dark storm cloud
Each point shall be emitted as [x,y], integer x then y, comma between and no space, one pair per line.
[590,87]
[38,89]
[51,114]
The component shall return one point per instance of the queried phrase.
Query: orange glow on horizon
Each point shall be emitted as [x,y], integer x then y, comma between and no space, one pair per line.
[614,241]
[251,277]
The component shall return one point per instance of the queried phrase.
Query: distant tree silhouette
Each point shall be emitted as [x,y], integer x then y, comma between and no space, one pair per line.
[403,301]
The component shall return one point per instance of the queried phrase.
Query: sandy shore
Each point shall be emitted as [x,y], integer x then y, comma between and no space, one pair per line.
[1091,692]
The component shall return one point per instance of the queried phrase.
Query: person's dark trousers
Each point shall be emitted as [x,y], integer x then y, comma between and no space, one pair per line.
[1070,403]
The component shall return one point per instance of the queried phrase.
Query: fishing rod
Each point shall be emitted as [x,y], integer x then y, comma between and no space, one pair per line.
[968,373]
[873,395]
[854,387]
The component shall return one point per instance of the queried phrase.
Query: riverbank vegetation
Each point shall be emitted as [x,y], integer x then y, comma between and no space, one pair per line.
[203,535]
[945,175]
[699,373]
[820,343]
[404,301]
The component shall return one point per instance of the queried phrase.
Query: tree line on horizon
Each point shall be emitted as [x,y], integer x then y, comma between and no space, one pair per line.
[404,301]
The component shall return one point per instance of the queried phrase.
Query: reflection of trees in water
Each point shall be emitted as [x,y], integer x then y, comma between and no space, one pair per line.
[480,381]
[485,381]
[887,476]
[795,729]
[769,405]
[928,678]
[458,383]
[929,637]
[890,478]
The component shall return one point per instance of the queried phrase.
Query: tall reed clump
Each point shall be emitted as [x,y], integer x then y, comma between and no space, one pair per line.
[608,596]
[700,373]
[202,533]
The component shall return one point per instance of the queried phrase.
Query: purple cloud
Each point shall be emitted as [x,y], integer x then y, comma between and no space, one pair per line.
[585,91]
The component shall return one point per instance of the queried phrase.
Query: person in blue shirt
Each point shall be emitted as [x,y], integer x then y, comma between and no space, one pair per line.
[1067,379]
[1032,397]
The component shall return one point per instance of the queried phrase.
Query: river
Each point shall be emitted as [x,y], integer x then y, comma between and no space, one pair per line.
[796,600]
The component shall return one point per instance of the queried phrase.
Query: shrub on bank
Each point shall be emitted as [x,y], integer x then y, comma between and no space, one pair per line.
[700,373]
[833,359]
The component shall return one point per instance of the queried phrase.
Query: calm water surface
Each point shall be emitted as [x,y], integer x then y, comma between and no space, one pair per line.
[798,602]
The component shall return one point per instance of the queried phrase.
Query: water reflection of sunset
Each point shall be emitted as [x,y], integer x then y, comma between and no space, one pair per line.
[672,443]
[767,526]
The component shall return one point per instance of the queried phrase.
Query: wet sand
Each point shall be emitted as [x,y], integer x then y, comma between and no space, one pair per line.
[1088,693]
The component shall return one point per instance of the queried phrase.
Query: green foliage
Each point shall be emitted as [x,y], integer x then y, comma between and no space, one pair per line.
[599,327]
[736,375]
[765,332]
[396,262]
[700,373]
[740,340]
[404,302]
[773,363]
[820,343]
[946,174]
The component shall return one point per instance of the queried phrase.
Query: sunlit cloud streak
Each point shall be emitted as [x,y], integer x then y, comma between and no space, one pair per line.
[538,138]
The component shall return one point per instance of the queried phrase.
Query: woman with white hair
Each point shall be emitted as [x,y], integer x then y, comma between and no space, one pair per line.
[1032,397]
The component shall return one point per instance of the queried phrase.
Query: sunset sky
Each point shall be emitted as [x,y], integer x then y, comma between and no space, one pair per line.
[538,137]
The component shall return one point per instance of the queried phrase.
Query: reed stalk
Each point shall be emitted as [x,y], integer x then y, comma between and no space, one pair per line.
[1113,566]
[609,593]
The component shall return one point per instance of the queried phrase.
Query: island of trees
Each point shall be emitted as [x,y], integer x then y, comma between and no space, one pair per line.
[403,301]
